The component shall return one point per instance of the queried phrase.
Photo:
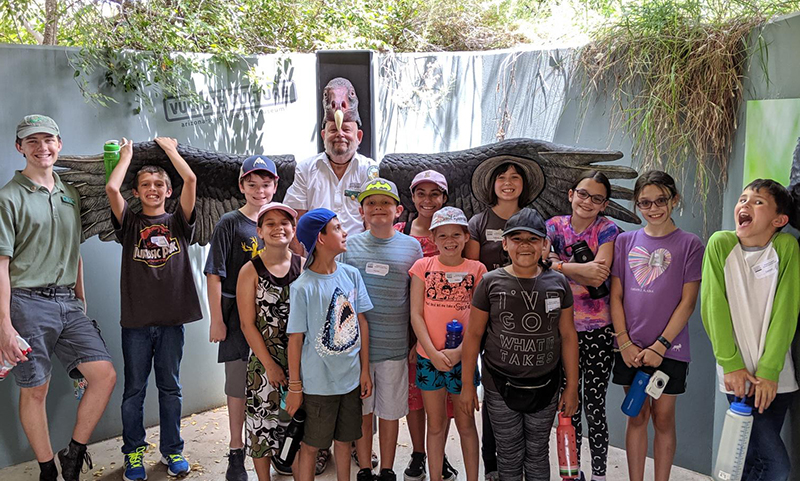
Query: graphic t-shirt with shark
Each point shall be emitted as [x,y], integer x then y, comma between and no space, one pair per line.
[652,271]
[325,309]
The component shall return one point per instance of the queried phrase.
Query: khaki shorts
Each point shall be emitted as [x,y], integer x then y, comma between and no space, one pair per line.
[389,399]
[236,379]
[332,417]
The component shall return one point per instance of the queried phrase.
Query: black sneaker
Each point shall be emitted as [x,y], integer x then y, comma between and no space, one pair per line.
[386,475]
[236,471]
[365,475]
[449,473]
[416,468]
[72,459]
[280,468]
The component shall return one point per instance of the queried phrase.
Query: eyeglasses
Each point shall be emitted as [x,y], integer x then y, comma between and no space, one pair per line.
[646,204]
[584,194]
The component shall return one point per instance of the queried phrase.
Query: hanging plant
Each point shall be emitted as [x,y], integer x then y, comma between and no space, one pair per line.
[674,73]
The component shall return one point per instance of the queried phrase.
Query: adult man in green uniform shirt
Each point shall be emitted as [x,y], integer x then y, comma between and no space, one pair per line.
[42,298]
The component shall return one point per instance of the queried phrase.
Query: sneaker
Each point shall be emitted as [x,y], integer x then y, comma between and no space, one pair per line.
[449,473]
[236,471]
[415,471]
[72,459]
[134,469]
[176,465]
[365,475]
[354,455]
[280,468]
[492,476]
[386,475]
[323,455]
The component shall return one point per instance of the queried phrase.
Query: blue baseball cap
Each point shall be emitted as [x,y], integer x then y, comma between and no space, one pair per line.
[310,225]
[256,163]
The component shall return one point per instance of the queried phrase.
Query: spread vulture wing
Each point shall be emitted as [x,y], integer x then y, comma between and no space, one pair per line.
[217,185]
[794,188]
[557,166]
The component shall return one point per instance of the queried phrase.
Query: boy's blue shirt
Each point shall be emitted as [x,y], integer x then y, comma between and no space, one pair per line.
[325,308]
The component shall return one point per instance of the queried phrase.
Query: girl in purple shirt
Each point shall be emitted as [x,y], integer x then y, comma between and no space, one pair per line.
[654,285]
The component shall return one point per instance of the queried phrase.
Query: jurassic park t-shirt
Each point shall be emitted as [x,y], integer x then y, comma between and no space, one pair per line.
[156,284]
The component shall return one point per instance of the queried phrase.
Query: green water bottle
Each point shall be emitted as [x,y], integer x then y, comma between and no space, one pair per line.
[110,156]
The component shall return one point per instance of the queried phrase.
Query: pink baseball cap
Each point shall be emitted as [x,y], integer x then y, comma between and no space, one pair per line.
[430,176]
[277,205]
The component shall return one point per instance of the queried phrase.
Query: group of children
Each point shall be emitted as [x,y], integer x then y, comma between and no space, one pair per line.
[358,329]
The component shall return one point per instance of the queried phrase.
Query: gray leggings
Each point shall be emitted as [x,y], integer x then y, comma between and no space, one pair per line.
[523,439]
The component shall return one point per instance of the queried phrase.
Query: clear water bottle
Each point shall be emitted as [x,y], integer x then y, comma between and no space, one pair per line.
[568,466]
[455,334]
[636,396]
[291,443]
[734,441]
[6,367]
[110,156]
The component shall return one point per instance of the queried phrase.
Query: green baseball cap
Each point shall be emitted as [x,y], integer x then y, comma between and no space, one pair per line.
[379,186]
[36,124]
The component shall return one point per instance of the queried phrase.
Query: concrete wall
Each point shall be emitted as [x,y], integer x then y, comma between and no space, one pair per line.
[39,80]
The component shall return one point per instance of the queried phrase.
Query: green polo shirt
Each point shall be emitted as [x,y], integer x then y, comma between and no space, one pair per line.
[41,232]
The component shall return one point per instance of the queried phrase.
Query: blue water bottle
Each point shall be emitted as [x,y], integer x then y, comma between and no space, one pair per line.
[455,334]
[636,395]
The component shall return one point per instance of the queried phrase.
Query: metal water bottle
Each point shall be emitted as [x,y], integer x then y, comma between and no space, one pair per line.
[291,443]
[582,254]
[734,441]
[110,156]
[568,466]
[455,334]
[636,396]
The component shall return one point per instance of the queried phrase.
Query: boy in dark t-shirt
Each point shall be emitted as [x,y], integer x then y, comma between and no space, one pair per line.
[158,297]
[234,242]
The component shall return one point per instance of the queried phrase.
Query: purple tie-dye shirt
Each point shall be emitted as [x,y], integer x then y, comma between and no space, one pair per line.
[590,313]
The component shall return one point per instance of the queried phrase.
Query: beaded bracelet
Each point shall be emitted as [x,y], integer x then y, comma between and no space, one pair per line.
[295,391]
[624,346]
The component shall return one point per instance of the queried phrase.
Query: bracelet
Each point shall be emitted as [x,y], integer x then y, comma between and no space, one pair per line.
[559,266]
[296,391]
[663,340]
[653,350]
[617,334]
[295,382]
[625,346]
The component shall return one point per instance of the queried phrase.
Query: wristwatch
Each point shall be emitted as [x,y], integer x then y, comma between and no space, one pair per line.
[663,340]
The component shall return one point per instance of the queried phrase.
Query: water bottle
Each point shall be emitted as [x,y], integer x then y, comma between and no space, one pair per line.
[634,400]
[734,441]
[455,334]
[582,254]
[7,366]
[567,448]
[110,156]
[291,443]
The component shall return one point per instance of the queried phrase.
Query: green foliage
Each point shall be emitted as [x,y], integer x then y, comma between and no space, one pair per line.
[674,69]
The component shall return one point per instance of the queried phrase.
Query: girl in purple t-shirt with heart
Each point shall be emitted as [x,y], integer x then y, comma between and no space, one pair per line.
[654,286]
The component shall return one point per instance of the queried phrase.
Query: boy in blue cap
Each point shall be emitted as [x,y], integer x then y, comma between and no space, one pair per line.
[234,242]
[328,344]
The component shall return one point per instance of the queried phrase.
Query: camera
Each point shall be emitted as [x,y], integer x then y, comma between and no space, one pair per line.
[581,253]
[658,381]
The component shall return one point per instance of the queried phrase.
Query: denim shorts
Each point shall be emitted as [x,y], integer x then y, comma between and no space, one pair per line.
[52,321]
[431,379]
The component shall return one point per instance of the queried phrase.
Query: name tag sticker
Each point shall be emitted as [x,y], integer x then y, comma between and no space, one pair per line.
[68,200]
[494,235]
[551,304]
[159,240]
[454,277]
[377,269]
[765,269]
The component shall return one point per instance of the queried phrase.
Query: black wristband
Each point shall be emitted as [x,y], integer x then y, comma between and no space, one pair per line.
[663,340]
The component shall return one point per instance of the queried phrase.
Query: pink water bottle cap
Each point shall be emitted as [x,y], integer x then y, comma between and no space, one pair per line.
[564,420]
